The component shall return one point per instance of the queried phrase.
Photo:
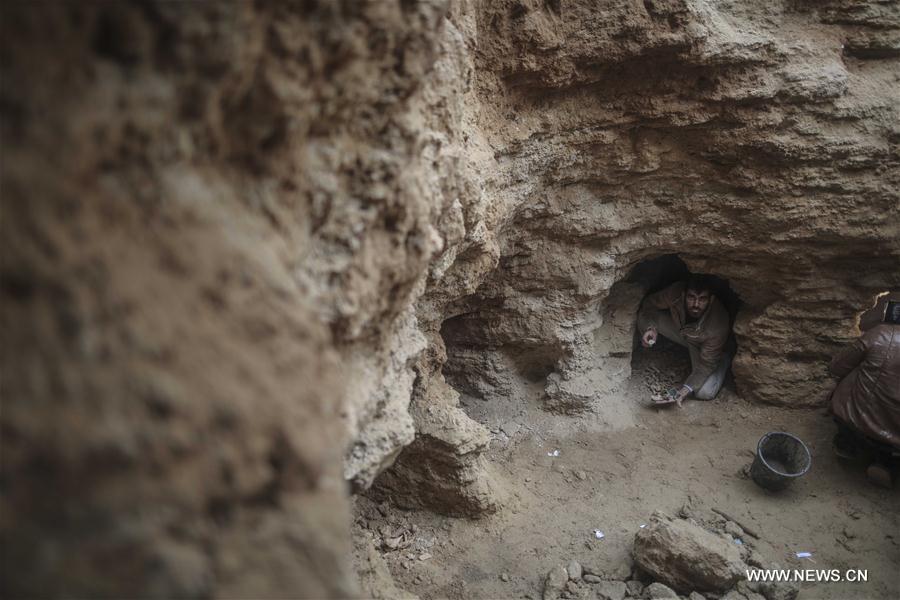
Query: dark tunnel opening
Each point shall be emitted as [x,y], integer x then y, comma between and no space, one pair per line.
[656,274]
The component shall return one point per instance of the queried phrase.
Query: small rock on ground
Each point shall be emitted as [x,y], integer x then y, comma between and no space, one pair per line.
[578,591]
[747,587]
[504,576]
[634,588]
[780,590]
[555,582]
[658,590]
[621,572]
[510,428]
[738,595]
[733,529]
[589,570]
[611,590]
[574,570]
[696,596]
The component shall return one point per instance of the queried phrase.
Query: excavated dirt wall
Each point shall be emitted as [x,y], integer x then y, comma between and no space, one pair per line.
[214,220]
[243,244]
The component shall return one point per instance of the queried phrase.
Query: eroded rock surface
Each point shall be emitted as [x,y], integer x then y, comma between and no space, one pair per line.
[443,469]
[555,583]
[212,237]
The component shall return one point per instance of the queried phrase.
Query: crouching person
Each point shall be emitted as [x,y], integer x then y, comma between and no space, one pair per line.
[866,401]
[688,314]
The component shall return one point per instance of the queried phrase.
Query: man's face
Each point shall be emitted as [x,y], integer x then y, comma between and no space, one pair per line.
[696,303]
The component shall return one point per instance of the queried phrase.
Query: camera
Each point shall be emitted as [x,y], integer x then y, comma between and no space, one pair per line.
[892,312]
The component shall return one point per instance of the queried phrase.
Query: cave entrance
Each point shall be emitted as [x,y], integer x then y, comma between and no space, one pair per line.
[658,273]
[495,381]
[668,364]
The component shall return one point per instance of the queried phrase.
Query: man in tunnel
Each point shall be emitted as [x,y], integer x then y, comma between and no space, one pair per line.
[866,401]
[689,314]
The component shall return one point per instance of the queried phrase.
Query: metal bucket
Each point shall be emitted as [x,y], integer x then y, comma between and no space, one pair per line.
[780,458]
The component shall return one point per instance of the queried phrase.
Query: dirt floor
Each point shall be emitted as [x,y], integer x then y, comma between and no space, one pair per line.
[690,459]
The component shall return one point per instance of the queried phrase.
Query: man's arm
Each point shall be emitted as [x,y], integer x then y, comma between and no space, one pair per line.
[711,352]
[849,358]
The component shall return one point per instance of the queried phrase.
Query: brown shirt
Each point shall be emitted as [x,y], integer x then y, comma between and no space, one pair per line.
[709,334]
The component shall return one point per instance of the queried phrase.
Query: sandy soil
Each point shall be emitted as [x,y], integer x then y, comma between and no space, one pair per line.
[613,481]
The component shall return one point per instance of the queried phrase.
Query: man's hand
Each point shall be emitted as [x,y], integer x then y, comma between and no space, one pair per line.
[649,337]
[678,394]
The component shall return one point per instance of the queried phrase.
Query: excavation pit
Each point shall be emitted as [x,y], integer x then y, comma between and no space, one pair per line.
[566,477]
[690,462]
